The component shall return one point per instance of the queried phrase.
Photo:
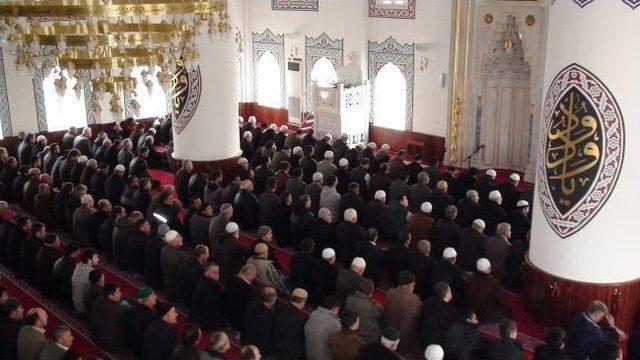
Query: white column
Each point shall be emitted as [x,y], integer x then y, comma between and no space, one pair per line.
[600,242]
[212,132]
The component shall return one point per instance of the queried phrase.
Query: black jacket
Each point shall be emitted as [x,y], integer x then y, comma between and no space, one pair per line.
[302,271]
[447,234]
[245,210]
[437,317]
[472,248]
[467,212]
[507,349]
[107,324]
[206,304]
[493,214]
[288,333]
[114,186]
[258,327]
[444,271]
[46,258]
[236,296]
[347,236]
[325,281]
[548,352]
[159,341]
[189,273]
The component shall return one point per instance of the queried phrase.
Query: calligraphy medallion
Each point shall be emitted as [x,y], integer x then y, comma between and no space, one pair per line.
[187,86]
[581,151]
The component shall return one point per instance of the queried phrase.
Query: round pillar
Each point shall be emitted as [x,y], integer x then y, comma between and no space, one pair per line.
[206,131]
[584,242]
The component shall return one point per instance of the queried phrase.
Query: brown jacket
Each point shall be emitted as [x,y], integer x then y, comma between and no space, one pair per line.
[402,311]
[345,345]
[497,249]
[421,227]
[483,295]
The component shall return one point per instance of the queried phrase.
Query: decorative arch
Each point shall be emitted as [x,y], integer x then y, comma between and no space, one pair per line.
[389,90]
[317,48]
[402,56]
[263,42]
[268,72]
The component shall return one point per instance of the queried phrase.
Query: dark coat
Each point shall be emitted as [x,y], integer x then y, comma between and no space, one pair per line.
[302,271]
[347,283]
[258,327]
[46,258]
[153,265]
[507,349]
[492,214]
[159,341]
[548,352]
[418,194]
[351,201]
[62,272]
[44,211]
[245,210]
[347,236]
[83,145]
[125,157]
[296,187]
[444,271]
[136,245]
[374,257]
[520,224]
[472,248]
[484,186]
[510,196]
[182,185]
[421,266]
[67,141]
[325,281]
[106,236]
[269,204]
[394,221]
[376,351]
[467,212]
[236,296]
[206,304]
[9,330]
[189,274]
[587,338]
[440,200]
[397,260]
[95,221]
[141,200]
[421,226]
[114,186]
[29,248]
[323,236]
[483,294]
[107,324]
[24,152]
[446,234]
[232,257]
[288,333]
[374,214]
[171,259]
[263,173]
[138,167]
[199,229]
[97,187]
[437,317]
[309,166]
[464,342]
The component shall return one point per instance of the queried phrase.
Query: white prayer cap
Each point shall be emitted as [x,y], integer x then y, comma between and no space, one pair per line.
[328,154]
[273,126]
[442,185]
[41,138]
[252,119]
[358,262]
[479,224]
[344,136]
[483,265]
[328,136]
[385,147]
[86,199]
[380,195]
[231,227]
[494,195]
[284,128]
[372,145]
[328,253]
[426,207]
[449,253]
[240,119]
[491,173]
[323,212]
[152,131]
[434,352]
[120,168]
[171,236]
[514,177]
[317,176]
[247,134]
[343,162]
[83,159]
[522,204]
[350,215]
[298,151]
[243,161]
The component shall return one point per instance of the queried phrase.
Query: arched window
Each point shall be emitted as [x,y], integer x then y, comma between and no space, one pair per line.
[63,111]
[268,78]
[323,73]
[390,98]
[152,103]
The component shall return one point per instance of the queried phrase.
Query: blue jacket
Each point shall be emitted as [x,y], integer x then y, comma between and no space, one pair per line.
[586,337]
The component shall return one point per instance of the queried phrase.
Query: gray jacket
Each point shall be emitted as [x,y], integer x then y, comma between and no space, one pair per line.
[320,325]
[51,351]
[80,285]
[370,314]
[330,199]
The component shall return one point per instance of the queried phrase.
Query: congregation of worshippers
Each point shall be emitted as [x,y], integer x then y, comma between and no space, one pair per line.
[306,249]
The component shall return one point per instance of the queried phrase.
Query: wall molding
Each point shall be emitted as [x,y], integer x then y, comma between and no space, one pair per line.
[5,111]
[401,55]
[380,11]
[263,42]
[295,5]
[317,48]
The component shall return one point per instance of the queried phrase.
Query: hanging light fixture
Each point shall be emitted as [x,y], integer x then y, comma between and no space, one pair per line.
[108,39]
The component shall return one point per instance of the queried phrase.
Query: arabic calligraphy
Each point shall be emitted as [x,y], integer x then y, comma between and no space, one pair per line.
[573,144]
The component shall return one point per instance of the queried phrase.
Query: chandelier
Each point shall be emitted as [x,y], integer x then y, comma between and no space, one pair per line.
[107,39]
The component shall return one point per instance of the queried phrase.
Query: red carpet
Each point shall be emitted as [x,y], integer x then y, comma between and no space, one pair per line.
[165,178]
[27,295]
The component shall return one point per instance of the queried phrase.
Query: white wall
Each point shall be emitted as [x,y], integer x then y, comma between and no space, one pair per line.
[605,250]
[349,20]
[21,99]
